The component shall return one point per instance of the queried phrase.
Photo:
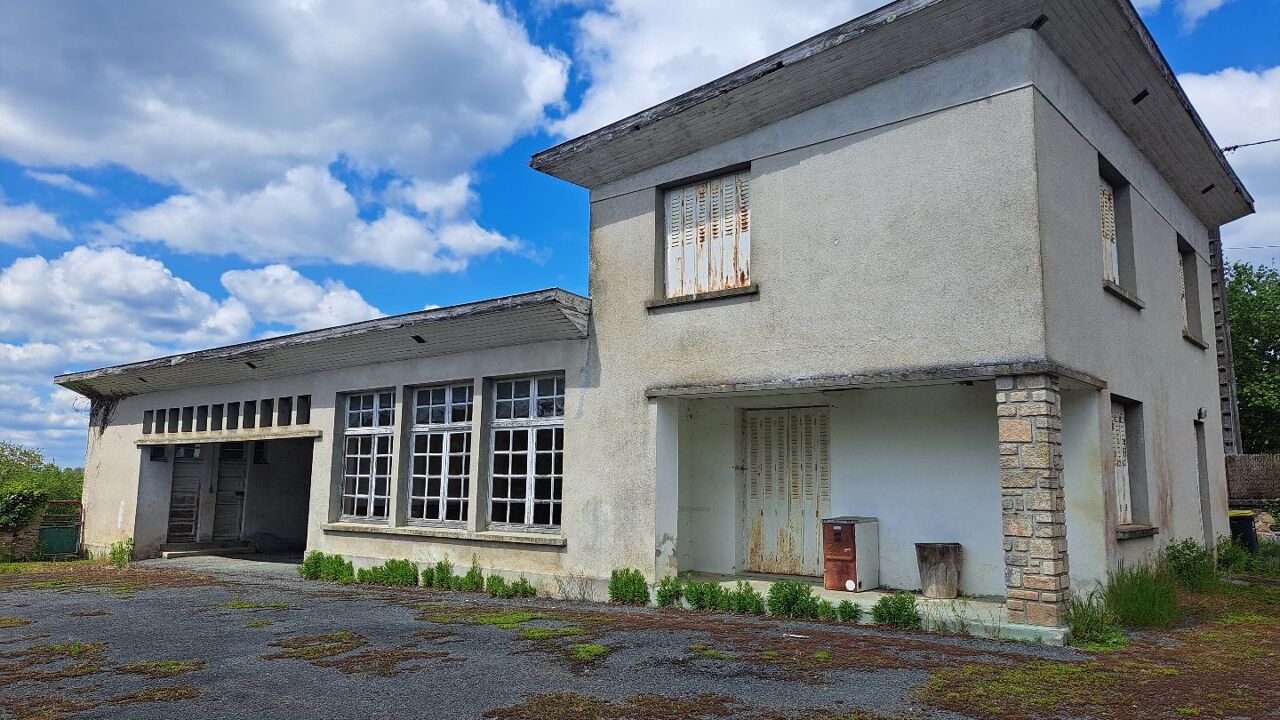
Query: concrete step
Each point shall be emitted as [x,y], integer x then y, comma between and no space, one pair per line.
[178,550]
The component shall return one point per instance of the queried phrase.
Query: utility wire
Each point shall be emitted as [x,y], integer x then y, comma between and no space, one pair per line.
[1233,148]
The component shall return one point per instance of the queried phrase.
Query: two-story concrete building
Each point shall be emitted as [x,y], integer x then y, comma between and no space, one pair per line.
[946,265]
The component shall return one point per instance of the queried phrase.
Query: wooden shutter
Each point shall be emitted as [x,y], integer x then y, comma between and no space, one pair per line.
[1120,449]
[708,235]
[1182,290]
[1110,244]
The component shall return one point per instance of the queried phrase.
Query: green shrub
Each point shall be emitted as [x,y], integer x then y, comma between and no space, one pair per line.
[745,599]
[792,599]
[897,610]
[627,585]
[1142,596]
[334,568]
[850,612]
[707,595]
[19,507]
[496,586]
[121,552]
[473,581]
[442,574]
[521,588]
[428,576]
[670,591]
[400,573]
[1092,625]
[1191,565]
[827,611]
[311,566]
[1232,556]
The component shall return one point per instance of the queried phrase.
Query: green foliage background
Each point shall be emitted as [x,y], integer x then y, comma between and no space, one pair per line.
[26,469]
[1253,306]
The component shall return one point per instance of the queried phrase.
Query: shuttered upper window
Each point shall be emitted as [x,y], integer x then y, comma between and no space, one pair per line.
[708,235]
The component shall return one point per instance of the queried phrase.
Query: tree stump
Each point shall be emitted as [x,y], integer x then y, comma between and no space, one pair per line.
[939,569]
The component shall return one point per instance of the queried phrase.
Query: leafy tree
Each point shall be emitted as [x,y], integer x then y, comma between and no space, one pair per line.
[26,469]
[1253,302]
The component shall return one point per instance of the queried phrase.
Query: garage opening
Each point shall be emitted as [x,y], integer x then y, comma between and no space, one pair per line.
[251,494]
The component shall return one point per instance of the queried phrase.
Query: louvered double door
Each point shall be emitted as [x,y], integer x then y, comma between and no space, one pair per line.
[787,476]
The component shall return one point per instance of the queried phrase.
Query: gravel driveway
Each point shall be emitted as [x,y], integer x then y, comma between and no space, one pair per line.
[231,638]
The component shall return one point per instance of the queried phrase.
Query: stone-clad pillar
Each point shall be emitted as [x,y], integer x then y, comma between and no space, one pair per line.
[1036,576]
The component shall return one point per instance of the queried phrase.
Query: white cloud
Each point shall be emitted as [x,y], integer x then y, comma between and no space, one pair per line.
[637,53]
[20,223]
[1190,12]
[310,217]
[63,181]
[98,295]
[104,306]
[280,294]
[1241,106]
[233,95]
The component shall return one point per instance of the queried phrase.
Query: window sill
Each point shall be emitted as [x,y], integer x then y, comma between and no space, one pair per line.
[495,536]
[1194,340]
[1133,532]
[1123,294]
[659,303]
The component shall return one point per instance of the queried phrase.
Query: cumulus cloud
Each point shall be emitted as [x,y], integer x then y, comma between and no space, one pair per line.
[279,294]
[309,217]
[62,181]
[637,53]
[1190,12]
[20,223]
[244,106]
[231,95]
[1241,106]
[97,295]
[104,306]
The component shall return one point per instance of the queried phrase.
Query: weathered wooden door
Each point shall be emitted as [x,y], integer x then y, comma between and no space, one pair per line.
[788,489]
[228,511]
[184,497]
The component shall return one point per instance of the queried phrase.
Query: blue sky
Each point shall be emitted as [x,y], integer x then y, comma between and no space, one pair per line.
[169,172]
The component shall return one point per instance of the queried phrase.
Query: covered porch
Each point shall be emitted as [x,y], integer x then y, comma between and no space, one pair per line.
[746,476]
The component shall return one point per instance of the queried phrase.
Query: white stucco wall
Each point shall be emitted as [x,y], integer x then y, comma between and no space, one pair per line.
[1140,354]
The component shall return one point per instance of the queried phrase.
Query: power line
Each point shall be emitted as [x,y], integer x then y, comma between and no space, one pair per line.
[1233,148]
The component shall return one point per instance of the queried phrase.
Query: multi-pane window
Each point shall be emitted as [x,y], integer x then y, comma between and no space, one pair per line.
[708,235]
[366,480]
[527,464]
[439,478]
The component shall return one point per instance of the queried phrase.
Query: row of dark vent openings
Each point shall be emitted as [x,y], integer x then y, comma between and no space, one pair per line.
[247,415]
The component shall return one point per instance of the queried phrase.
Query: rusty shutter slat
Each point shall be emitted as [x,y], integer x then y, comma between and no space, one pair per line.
[708,236]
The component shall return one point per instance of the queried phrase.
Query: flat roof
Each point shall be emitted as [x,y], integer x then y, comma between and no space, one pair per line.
[552,314]
[1104,42]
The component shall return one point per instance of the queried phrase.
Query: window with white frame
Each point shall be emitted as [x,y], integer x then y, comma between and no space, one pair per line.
[366,478]
[527,463]
[439,478]
[708,235]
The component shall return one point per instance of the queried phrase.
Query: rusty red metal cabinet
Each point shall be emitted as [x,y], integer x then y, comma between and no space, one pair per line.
[851,553]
